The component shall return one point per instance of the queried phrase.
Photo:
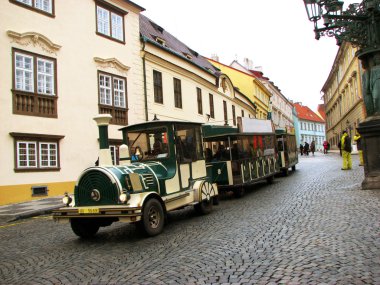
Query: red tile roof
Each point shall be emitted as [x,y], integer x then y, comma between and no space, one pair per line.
[305,113]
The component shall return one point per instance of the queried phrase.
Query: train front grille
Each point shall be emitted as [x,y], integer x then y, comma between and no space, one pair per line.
[95,189]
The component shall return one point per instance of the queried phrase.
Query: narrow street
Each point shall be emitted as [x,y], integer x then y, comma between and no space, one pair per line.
[315,226]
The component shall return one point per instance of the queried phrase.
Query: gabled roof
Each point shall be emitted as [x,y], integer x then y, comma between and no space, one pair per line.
[305,113]
[152,32]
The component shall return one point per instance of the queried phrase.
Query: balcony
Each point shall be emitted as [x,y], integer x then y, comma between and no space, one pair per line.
[119,115]
[31,104]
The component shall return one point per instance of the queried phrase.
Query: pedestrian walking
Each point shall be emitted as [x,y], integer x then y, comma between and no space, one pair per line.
[345,143]
[340,147]
[301,148]
[306,148]
[358,140]
[312,147]
[325,147]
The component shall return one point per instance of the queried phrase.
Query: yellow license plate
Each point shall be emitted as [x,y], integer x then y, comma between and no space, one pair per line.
[88,211]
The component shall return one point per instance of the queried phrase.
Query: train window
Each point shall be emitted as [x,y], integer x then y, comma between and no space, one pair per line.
[151,144]
[188,143]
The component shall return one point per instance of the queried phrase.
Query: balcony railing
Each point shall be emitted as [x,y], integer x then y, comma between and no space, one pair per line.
[119,115]
[25,103]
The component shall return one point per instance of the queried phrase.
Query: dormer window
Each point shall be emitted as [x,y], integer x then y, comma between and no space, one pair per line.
[188,56]
[160,41]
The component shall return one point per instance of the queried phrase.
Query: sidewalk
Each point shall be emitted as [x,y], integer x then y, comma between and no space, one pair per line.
[14,212]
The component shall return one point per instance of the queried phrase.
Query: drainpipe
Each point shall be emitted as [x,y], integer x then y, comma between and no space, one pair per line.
[102,120]
[144,74]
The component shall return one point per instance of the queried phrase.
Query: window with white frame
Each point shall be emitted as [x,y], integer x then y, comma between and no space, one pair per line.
[112,90]
[27,77]
[110,21]
[36,152]
[113,97]
[44,6]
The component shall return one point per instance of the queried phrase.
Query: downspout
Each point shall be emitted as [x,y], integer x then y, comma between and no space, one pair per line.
[144,75]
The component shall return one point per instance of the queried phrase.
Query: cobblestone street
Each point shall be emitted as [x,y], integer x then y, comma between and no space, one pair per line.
[315,226]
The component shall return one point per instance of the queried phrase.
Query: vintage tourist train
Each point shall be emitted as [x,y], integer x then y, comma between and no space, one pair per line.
[165,166]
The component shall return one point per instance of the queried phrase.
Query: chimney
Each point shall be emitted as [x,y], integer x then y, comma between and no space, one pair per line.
[215,57]
[248,63]
[102,120]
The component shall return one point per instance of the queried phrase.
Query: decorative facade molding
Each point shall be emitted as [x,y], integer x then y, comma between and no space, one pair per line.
[111,63]
[35,39]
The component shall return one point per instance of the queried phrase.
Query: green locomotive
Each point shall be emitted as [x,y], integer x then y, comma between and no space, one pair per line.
[162,168]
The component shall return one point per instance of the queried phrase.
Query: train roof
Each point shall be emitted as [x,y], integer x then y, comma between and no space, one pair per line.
[155,124]
[211,132]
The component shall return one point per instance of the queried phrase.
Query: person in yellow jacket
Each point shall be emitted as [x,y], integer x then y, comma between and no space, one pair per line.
[358,139]
[345,144]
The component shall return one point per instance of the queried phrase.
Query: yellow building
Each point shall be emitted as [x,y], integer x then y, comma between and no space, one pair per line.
[342,95]
[250,85]
[63,62]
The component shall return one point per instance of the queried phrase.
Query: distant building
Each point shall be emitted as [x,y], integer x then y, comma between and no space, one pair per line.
[248,84]
[279,106]
[342,95]
[311,127]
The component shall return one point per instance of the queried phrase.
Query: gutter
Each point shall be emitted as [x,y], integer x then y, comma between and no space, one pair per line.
[145,88]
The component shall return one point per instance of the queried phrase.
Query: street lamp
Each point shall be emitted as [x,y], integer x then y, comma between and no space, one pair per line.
[359,25]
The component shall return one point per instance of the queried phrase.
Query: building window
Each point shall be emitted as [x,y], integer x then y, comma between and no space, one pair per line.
[34,85]
[242,113]
[36,152]
[225,112]
[211,99]
[110,21]
[177,93]
[113,98]
[199,100]
[233,115]
[157,82]
[42,6]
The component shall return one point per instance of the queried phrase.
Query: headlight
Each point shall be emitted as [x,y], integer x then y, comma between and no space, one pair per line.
[67,199]
[124,197]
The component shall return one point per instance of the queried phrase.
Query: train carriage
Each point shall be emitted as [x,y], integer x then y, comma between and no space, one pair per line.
[162,168]
[237,157]
[287,151]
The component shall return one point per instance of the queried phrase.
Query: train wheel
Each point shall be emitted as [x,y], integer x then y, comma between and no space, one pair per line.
[153,218]
[293,168]
[206,193]
[84,228]
[270,179]
[285,172]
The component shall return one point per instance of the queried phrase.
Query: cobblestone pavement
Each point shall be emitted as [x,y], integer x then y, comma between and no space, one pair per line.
[313,227]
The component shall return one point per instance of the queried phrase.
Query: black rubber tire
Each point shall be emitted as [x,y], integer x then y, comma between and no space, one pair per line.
[285,172]
[239,192]
[204,207]
[153,218]
[270,179]
[84,228]
[293,168]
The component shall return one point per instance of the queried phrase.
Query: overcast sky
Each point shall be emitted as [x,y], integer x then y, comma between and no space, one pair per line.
[274,34]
